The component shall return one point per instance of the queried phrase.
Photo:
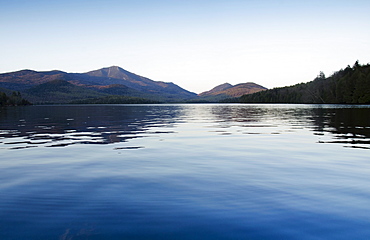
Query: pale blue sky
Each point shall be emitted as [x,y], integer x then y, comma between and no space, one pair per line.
[195,44]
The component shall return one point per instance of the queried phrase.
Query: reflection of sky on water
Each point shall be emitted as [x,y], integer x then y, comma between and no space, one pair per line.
[184,172]
[59,126]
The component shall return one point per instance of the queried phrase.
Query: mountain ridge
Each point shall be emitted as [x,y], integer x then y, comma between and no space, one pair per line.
[119,81]
[227,90]
[218,88]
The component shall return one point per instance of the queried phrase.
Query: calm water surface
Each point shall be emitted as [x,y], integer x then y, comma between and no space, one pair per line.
[185,172]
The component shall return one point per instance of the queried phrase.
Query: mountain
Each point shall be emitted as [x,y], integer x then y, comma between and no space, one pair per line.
[24,79]
[98,83]
[117,75]
[227,90]
[216,89]
[59,91]
[347,86]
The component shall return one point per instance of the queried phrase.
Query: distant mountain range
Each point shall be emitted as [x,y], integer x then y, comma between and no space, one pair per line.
[62,87]
[227,90]
[116,85]
[106,85]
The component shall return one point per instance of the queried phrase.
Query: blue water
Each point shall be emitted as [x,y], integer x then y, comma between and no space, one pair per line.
[185,172]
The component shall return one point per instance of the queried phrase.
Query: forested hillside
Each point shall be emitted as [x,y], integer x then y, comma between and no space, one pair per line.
[115,100]
[14,99]
[347,86]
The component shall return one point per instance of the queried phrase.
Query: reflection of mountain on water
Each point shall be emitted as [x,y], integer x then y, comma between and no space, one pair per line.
[349,125]
[53,126]
[58,126]
[346,124]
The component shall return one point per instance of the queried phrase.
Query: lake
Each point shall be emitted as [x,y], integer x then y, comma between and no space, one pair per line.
[185,171]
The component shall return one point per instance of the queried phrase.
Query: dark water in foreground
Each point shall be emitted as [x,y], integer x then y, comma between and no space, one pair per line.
[185,172]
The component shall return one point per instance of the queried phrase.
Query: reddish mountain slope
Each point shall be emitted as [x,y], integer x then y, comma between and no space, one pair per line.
[229,90]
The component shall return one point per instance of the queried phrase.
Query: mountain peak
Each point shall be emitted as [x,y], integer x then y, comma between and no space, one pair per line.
[117,75]
[216,89]
[110,72]
[233,91]
[115,68]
